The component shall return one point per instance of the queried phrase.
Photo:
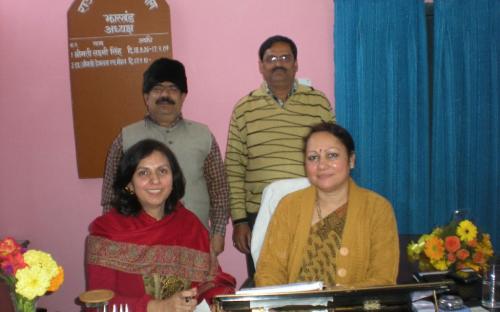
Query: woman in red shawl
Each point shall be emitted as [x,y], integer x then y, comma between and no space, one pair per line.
[151,251]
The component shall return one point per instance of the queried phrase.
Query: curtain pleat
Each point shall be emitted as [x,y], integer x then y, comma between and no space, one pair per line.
[466,120]
[381,89]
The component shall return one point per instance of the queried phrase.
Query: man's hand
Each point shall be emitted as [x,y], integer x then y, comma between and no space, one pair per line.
[217,244]
[242,236]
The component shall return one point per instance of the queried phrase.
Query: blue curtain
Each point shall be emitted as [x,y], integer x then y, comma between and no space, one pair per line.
[381,90]
[465,162]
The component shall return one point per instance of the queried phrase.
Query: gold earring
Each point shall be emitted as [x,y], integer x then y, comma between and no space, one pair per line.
[128,190]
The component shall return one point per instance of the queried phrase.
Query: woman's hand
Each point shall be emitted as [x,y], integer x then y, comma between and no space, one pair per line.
[182,301]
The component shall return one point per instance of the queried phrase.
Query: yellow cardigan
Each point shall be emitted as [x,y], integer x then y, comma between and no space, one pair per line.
[369,253]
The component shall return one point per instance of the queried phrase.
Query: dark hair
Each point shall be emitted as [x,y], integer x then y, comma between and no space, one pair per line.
[337,131]
[164,69]
[127,203]
[274,39]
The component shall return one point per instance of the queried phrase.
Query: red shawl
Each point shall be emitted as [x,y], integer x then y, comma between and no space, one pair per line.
[121,249]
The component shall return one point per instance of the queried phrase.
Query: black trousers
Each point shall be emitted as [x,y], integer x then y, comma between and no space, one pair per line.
[250,265]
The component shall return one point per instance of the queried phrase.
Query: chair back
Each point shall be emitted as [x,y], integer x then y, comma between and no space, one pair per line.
[271,197]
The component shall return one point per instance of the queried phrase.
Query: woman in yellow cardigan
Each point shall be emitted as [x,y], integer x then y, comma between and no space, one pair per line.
[333,231]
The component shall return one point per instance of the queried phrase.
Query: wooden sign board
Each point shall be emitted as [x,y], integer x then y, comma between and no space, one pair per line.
[111,44]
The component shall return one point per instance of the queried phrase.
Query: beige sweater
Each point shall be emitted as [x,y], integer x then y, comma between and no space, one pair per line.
[369,253]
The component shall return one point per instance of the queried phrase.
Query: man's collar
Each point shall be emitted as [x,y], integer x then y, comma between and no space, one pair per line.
[148,119]
[278,100]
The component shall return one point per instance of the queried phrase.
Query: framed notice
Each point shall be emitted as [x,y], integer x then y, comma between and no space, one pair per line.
[110,45]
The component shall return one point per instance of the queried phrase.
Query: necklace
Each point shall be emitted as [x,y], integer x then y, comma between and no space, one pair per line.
[322,229]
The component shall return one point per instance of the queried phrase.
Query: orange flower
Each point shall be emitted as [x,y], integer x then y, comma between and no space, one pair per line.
[472,243]
[452,243]
[463,254]
[434,248]
[451,257]
[478,257]
[454,246]
[57,281]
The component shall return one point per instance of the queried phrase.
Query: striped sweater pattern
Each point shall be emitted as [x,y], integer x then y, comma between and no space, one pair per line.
[265,142]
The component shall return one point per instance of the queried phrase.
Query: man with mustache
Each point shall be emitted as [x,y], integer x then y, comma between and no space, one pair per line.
[265,140]
[164,90]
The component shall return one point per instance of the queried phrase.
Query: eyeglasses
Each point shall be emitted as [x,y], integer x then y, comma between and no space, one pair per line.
[159,89]
[273,59]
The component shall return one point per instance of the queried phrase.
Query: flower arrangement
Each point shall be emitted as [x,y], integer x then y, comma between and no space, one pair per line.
[29,273]
[456,246]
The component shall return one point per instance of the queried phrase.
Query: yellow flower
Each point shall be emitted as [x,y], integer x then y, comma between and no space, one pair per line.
[466,231]
[437,232]
[32,282]
[439,265]
[424,265]
[442,250]
[472,266]
[485,246]
[421,242]
[413,250]
[36,258]
[487,252]
[486,239]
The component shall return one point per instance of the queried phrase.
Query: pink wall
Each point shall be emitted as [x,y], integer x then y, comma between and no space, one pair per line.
[41,197]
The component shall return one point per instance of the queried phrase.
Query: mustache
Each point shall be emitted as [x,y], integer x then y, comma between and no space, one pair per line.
[278,68]
[165,99]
